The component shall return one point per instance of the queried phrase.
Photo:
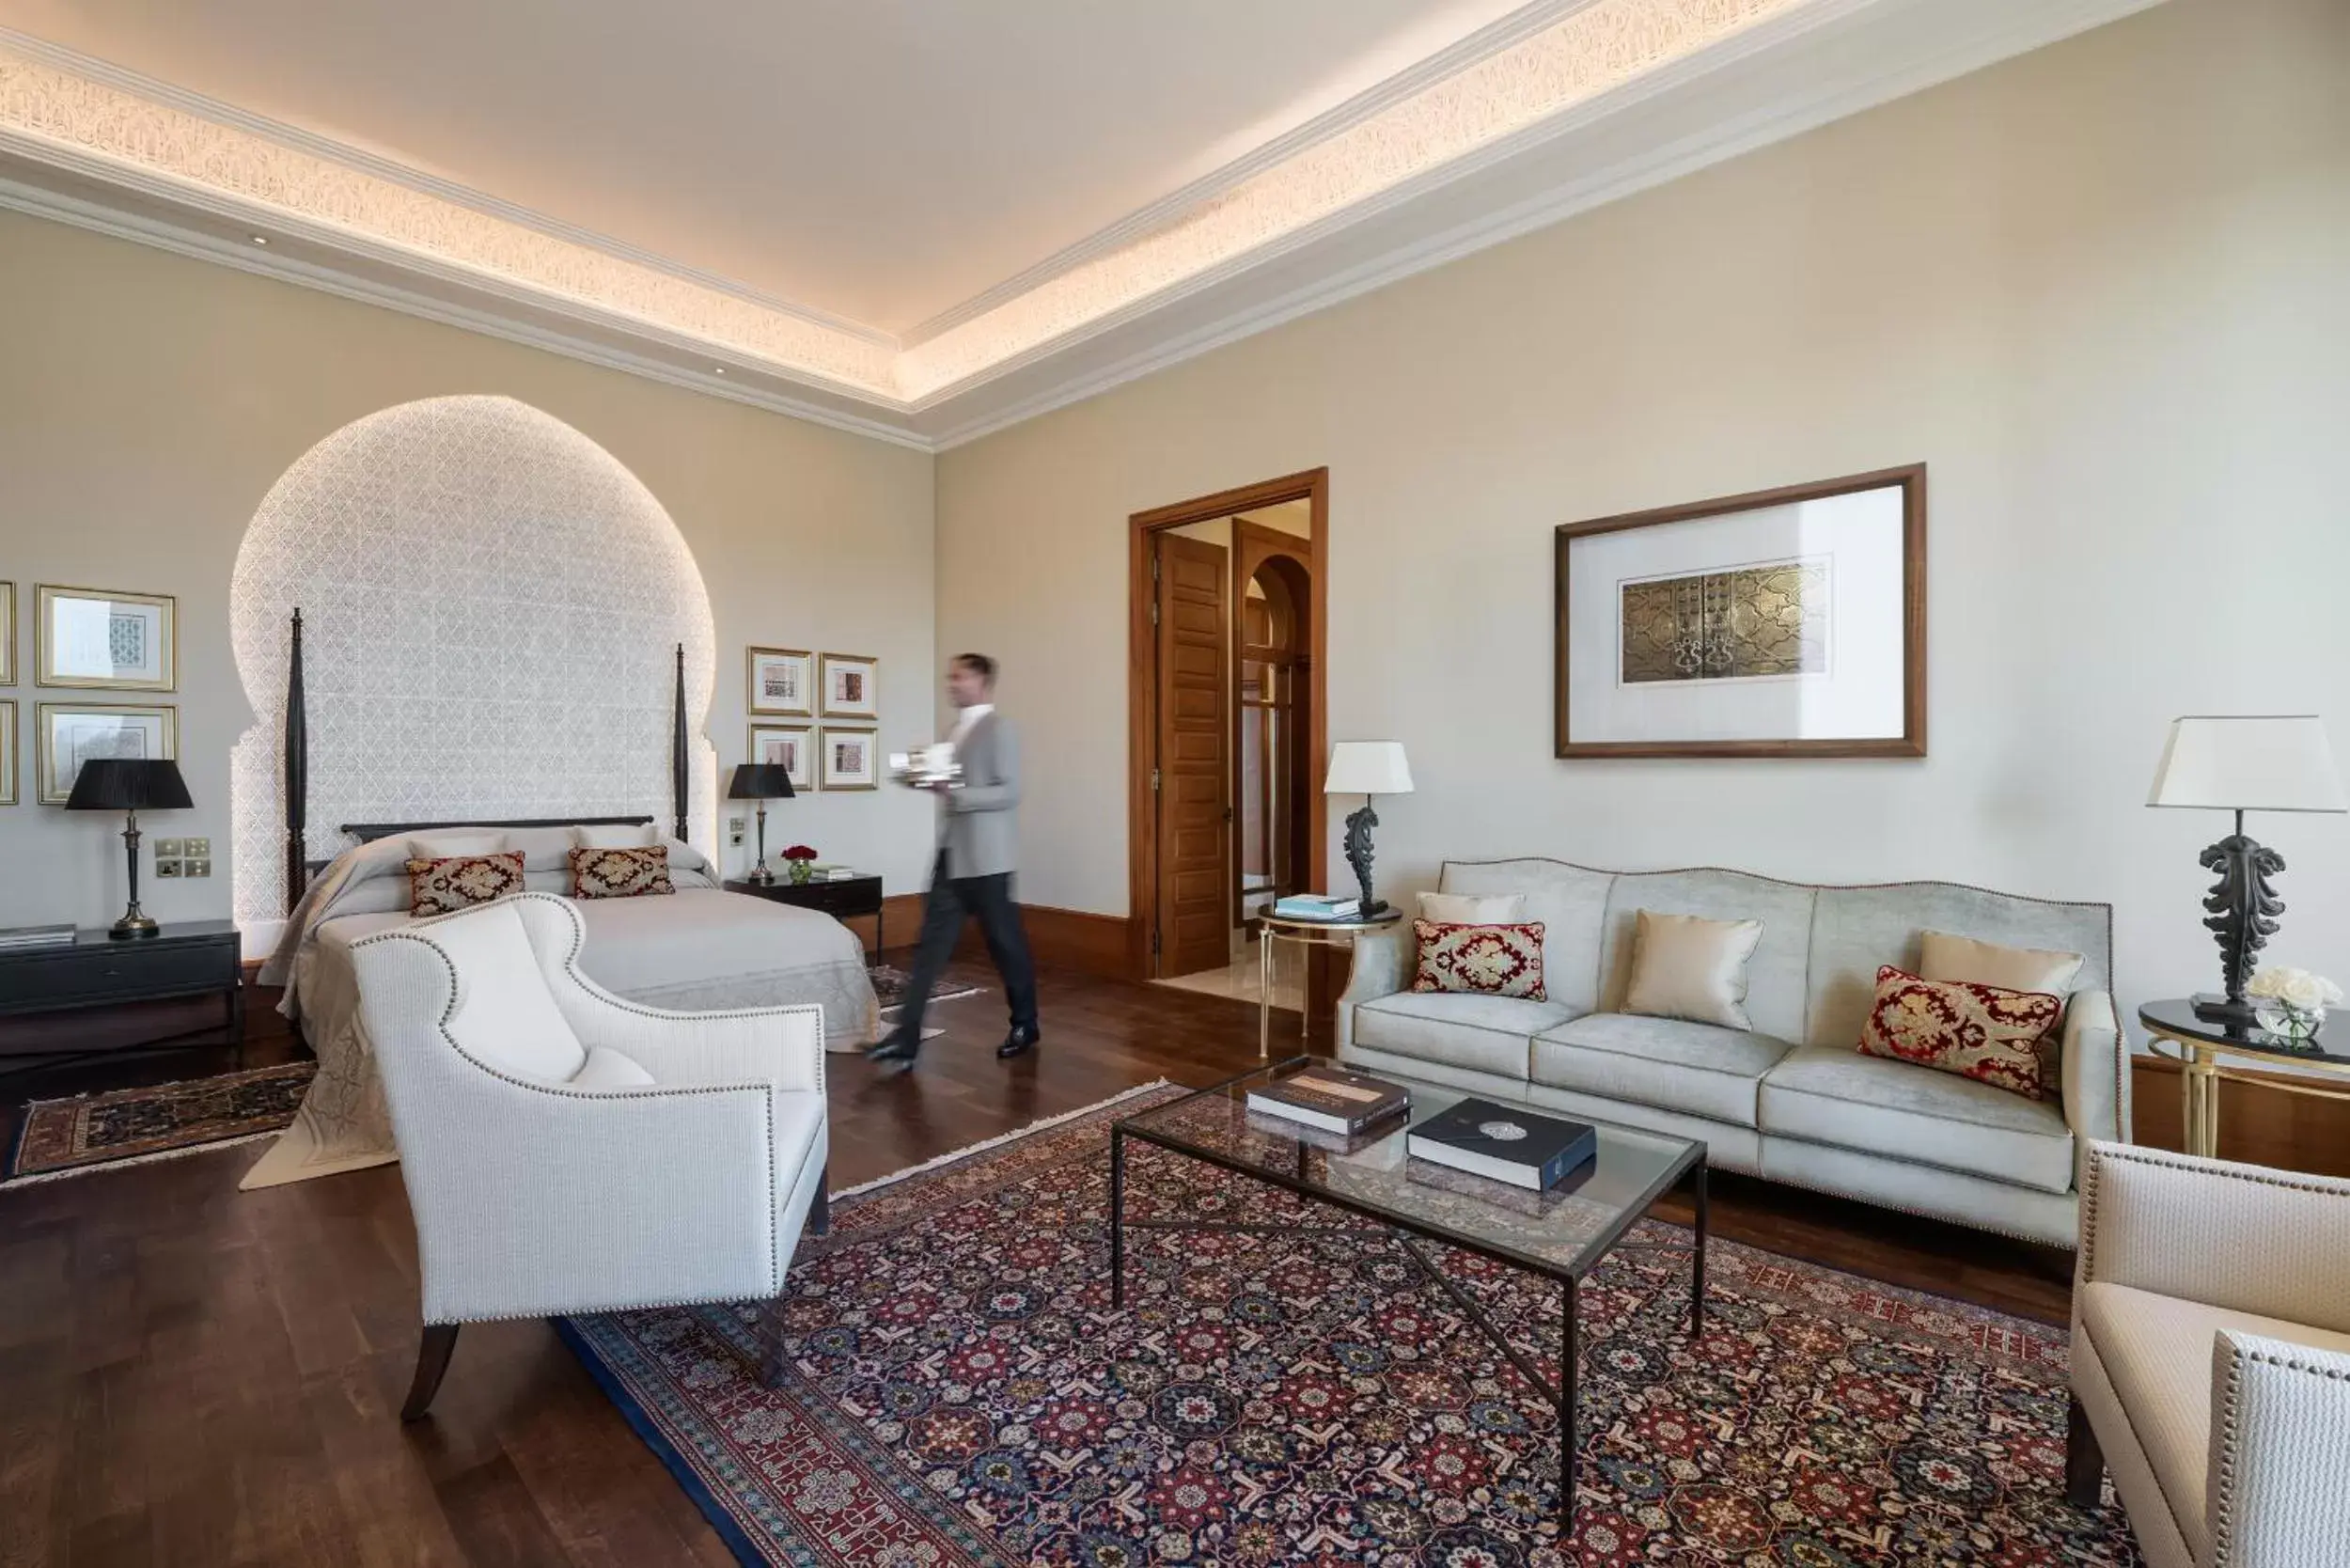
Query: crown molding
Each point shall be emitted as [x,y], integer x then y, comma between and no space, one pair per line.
[1768,70]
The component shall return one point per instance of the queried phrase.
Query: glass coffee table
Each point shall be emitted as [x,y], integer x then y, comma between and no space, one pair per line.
[1561,1234]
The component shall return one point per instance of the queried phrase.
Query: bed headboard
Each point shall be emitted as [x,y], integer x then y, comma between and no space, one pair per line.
[300,868]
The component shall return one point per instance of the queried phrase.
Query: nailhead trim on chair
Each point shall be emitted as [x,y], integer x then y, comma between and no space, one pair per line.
[767,1108]
[2193,1164]
[2229,1435]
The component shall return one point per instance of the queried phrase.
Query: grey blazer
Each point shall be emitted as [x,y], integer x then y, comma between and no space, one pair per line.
[976,825]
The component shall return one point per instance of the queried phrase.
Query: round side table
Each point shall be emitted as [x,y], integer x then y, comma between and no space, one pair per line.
[1305,933]
[2197,1043]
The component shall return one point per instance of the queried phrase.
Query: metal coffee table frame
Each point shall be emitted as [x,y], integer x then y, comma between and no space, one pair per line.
[1690,1170]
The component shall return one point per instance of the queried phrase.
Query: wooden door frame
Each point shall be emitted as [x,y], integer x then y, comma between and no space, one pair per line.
[1142,841]
[1253,544]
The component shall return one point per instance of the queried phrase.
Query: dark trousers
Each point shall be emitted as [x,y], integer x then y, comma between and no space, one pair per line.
[988,898]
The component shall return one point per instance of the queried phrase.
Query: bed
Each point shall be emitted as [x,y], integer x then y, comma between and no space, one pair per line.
[700,948]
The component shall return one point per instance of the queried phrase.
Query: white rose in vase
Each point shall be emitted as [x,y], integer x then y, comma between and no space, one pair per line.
[2298,1000]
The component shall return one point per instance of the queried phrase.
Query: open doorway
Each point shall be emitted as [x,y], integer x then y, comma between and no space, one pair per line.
[1226,727]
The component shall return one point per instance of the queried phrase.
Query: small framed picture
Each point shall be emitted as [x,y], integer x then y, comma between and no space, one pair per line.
[126,642]
[848,760]
[778,682]
[851,687]
[8,754]
[71,733]
[8,634]
[793,746]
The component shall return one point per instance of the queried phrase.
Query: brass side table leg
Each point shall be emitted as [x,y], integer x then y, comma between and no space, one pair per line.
[1264,993]
[2201,1074]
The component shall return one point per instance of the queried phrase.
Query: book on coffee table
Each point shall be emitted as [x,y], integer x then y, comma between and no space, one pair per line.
[1507,1143]
[1331,1100]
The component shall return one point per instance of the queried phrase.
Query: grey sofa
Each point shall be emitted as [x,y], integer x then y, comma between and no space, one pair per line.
[1792,1100]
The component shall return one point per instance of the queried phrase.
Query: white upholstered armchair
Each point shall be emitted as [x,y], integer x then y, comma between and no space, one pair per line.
[2210,1358]
[568,1151]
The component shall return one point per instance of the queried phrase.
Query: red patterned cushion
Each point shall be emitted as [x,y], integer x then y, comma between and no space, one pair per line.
[620,873]
[438,887]
[1977,1031]
[1492,961]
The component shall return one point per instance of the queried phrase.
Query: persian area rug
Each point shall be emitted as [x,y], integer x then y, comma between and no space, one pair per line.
[958,1392]
[125,1126]
[890,983]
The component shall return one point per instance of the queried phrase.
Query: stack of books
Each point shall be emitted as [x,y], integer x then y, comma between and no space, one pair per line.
[1317,906]
[34,936]
[1331,1101]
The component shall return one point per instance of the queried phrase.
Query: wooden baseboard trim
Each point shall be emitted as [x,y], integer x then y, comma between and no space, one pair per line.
[2259,1125]
[1072,938]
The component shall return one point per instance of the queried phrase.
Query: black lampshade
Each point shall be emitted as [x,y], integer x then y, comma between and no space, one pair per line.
[760,781]
[128,784]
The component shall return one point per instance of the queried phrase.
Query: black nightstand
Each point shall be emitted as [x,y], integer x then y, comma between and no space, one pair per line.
[855,895]
[190,958]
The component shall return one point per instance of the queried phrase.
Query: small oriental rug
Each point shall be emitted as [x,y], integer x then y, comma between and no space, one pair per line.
[127,1126]
[959,1392]
[891,982]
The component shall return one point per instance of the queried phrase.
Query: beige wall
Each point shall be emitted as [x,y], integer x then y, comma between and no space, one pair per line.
[2104,290]
[147,402]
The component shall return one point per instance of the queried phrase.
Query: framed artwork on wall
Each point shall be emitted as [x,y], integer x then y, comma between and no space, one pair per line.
[778,682]
[8,634]
[851,687]
[792,746]
[848,760]
[8,754]
[127,642]
[1788,622]
[71,733]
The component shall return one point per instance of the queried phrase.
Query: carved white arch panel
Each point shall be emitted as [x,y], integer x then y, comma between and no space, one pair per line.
[491,605]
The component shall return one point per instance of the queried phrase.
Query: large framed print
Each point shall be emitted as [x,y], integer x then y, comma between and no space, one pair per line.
[71,733]
[8,754]
[1788,622]
[847,758]
[125,642]
[851,687]
[791,746]
[778,682]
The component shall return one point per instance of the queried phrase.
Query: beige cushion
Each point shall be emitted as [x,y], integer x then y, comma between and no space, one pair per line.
[614,836]
[1944,957]
[1489,1034]
[1667,1062]
[1462,909]
[1688,967]
[2156,1350]
[1840,1097]
[450,846]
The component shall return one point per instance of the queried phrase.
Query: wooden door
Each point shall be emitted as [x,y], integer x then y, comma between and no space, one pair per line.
[1194,819]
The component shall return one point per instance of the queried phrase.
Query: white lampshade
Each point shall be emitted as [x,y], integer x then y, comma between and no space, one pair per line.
[1367,768]
[2275,763]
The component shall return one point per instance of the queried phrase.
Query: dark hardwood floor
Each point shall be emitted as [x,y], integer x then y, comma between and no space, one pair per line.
[193,1376]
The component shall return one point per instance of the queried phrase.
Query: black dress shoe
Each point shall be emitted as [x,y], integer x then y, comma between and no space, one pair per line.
[1016,1044]
[896,1048]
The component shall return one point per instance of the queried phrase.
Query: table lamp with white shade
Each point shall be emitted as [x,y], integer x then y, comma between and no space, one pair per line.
[2240,763]
[1366,768]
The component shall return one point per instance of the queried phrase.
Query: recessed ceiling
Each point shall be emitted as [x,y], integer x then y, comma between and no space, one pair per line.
[921,217]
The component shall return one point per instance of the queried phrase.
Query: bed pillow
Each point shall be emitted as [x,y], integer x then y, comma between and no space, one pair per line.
[1471,909]
[1688,967]
[614,836]
[620,873]
[1944,957]
[1983,1032]
[441,885]
[448,846]
[1486,960]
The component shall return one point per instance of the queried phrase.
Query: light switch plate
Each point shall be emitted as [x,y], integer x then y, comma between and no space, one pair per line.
[168,849]
[198,849]
[734,831]
[195,868]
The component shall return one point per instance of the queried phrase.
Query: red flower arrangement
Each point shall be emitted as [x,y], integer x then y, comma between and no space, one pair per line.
[799,851]
[797,862]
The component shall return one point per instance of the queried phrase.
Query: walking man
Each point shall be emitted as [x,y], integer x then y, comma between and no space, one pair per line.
[977,847]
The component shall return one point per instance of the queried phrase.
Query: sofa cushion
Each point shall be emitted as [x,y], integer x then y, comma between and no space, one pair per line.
[1981,1032]
[1473,909]
[1776,973]
[1944,957]
[1837,1096]
[1688,966]
[1667,1062]
[2156,1350]
[1491,1034]
[1489,960]
[1569,900]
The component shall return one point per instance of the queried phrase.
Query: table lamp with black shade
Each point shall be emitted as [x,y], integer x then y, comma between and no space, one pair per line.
[2240,763]
[1366,768]
[761,782]
[129,785]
